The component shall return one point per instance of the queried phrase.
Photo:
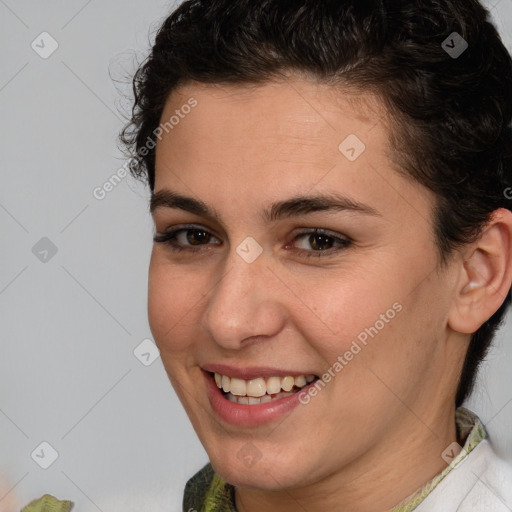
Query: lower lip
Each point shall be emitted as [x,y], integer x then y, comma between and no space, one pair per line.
[249,415]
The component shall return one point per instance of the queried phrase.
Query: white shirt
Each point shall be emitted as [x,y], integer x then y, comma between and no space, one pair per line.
[480,481]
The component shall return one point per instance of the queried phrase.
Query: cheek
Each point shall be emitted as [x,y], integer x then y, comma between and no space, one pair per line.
[344,307]
[174,298]
[368,326]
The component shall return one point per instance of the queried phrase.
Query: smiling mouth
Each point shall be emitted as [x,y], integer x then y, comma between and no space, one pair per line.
[260,390]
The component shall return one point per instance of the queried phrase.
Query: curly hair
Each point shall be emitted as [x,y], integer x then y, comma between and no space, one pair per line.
[451,113]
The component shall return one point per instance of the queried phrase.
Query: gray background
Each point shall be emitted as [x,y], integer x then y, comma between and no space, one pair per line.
[70,321]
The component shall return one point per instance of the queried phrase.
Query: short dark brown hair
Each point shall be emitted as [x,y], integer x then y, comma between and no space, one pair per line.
[452,113]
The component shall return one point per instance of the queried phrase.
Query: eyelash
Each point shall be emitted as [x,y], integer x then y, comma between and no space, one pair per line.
[169,238]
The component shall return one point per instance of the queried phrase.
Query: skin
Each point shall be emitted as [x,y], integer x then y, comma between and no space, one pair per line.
[376,432]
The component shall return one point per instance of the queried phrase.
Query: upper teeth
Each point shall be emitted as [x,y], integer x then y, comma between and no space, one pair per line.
[260,386]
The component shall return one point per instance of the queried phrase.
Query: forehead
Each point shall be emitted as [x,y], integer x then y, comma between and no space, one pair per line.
[295,119]
[275,138]
[294,98]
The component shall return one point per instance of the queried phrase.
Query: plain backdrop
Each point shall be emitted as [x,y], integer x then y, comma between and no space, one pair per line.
[73,274]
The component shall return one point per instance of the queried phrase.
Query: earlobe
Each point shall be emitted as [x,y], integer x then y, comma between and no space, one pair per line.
[485,275]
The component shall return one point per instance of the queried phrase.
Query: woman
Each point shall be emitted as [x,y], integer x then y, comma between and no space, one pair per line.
[332,248]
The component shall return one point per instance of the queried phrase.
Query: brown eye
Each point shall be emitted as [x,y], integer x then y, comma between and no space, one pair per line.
[186,238]
[319,243]
[196,236]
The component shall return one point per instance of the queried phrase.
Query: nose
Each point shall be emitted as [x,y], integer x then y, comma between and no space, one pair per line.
[244,304]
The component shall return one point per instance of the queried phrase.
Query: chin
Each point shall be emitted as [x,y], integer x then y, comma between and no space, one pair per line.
[270,475]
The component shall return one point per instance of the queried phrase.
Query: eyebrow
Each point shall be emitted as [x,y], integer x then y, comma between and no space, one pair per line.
[295,206]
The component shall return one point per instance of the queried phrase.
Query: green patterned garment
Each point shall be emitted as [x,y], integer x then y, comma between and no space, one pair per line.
[207,492]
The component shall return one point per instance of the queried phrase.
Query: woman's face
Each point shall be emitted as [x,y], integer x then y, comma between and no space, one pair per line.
[256,295]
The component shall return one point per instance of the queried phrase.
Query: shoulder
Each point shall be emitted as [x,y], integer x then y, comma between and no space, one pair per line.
[206,490]
[197,488]
[481,481]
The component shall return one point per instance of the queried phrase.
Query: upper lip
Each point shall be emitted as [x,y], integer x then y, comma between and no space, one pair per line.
[251,372]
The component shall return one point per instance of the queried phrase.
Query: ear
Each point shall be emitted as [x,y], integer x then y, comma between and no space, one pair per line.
[485,275]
